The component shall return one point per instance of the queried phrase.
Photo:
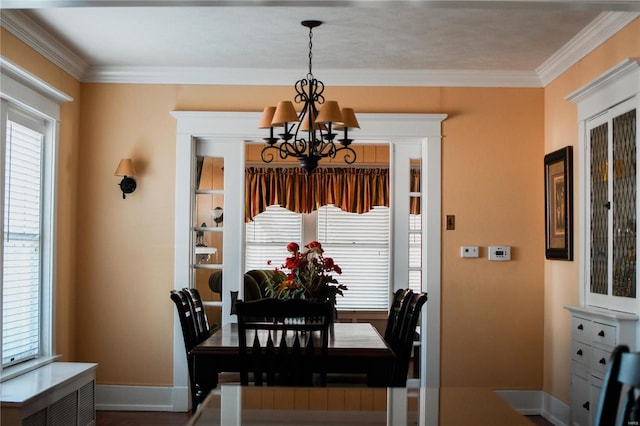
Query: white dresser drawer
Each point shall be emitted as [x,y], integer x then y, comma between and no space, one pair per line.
[603,334]
[581,329]
[580,353]
[599,362]
[580,403]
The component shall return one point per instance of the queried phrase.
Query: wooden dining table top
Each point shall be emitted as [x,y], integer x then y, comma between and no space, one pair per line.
[345,339]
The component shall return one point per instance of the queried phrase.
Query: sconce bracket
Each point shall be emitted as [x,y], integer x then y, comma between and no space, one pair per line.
[127,186]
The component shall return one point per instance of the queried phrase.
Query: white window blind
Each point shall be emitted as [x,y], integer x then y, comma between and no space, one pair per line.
[359,243]
[415,252]
[21,291]
[268,235]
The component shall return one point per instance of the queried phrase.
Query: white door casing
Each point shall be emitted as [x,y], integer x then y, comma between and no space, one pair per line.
[406,133]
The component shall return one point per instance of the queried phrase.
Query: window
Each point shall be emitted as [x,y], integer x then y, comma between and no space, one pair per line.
[21,273]
[268,236]
[359,243]
[29,114]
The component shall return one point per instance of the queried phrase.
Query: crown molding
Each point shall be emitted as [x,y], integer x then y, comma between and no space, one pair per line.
[593,35]
[286,77]
[36,37]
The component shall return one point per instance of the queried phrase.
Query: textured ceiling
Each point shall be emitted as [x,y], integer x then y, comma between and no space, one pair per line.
[413,36]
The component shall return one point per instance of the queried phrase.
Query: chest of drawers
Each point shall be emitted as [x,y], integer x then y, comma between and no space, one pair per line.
[594,334]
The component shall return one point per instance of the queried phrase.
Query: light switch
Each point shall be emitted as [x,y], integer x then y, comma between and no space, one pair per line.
[469,251]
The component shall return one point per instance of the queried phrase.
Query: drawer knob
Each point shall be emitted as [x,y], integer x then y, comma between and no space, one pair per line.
[580,327]
[586,405]
[579,352]
[603,361]
[601,334]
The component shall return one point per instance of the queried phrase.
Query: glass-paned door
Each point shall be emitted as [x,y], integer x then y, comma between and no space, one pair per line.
[612,157]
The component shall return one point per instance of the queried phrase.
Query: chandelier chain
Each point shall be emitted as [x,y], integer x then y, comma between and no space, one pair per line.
[310,76]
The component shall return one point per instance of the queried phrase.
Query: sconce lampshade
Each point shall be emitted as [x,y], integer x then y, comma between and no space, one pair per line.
[125,168]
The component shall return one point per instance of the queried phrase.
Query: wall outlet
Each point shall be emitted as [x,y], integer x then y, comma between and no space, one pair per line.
[469,251]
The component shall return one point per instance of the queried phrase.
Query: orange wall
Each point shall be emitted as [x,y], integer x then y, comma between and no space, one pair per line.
[561,129]
[115,261]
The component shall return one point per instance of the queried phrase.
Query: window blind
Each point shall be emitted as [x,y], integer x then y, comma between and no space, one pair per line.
[21,291]
[415,252]
[268,235]
[360,244]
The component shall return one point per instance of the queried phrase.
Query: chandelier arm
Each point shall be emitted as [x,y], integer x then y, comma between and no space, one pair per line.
[349,156]
[266,155]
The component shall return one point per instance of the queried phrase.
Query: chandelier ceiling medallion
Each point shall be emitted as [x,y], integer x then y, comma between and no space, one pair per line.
[308,136]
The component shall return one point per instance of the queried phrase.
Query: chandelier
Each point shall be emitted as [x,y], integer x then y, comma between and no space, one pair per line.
[309,136]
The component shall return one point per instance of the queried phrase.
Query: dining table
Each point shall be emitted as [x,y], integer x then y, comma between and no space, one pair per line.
[354,349]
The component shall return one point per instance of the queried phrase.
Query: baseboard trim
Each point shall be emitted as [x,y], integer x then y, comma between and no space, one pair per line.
[537,403]
[140,398]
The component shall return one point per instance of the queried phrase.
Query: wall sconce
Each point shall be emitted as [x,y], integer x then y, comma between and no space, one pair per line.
[217,215]
[126,169]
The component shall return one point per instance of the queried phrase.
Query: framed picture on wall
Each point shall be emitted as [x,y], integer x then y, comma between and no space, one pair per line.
[558,204]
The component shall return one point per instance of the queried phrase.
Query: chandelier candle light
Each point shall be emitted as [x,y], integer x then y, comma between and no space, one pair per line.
[308,136]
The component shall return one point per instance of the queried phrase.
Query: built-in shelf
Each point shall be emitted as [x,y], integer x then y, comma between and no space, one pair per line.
[203,253]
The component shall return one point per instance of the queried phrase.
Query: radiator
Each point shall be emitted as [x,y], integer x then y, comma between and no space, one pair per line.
[58,394]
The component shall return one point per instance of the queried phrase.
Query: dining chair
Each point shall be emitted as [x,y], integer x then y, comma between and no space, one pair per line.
[623,373]
[203,329]
[290,348]
[396,312]
[403,346]
[190,337]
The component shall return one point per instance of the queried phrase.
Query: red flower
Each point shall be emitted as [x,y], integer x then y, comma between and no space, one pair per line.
[306,274]
[315,247]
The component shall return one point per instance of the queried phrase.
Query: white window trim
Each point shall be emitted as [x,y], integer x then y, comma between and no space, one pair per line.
[396,129]
[21,89]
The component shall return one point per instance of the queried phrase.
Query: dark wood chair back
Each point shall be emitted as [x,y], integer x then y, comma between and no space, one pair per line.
[191,339]
[404,345]
[198,312]
[290,349]
[619,401]
[187,321]
[396,312]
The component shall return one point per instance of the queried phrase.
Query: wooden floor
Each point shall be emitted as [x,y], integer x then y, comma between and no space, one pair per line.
[134,418]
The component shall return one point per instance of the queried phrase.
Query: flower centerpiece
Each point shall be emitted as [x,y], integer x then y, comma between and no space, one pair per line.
[306,275]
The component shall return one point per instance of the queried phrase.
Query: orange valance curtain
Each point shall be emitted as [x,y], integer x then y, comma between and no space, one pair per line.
[355,190]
